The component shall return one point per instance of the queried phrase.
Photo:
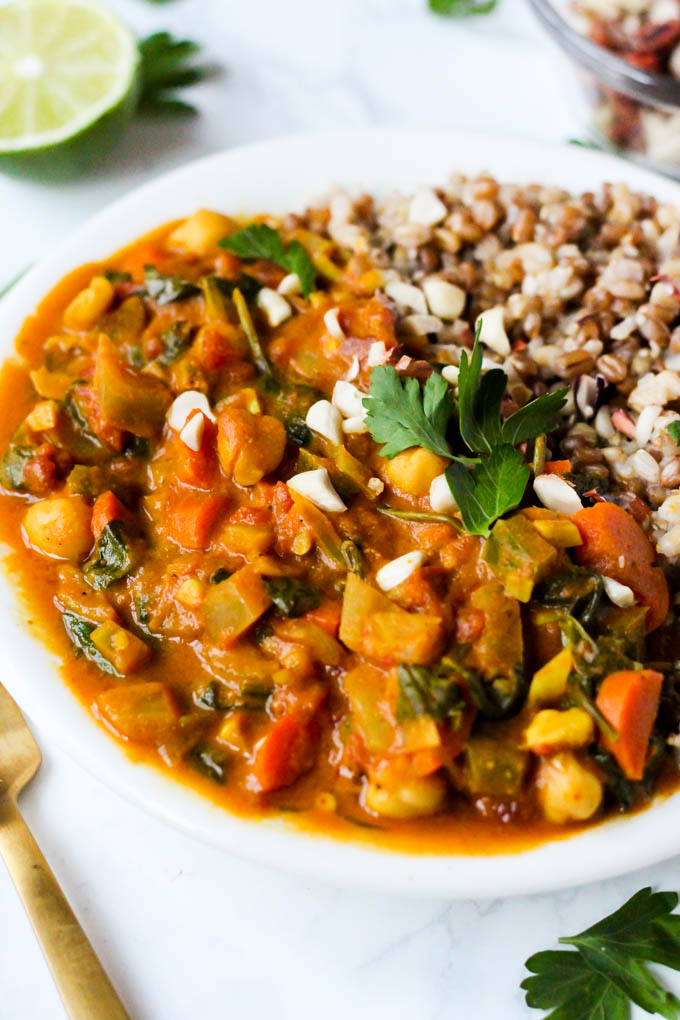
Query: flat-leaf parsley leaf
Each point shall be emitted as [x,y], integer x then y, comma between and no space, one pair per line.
[606,970]
[258,241]
[400,414]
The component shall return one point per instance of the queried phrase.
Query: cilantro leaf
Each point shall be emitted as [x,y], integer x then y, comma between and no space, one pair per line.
[493,487]
[258,241]
[462,8]
[402,415]
[607,971]
[674,432]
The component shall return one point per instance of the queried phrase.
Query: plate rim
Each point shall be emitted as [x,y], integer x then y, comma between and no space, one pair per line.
[419,154]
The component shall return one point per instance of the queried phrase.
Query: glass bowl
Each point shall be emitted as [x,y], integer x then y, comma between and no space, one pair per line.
[626,109]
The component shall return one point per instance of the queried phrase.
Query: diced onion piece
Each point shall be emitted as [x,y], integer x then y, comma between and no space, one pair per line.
[407,295]
[620,594]
[426,209]
[290,285]
[493,330]
[192,432]
[556,494]
[396,571]
[325,419]
[317,487]
[348,399]
[451,373]
[441,497]
[332,324]
[445,299]
[275,307]
[354,426]
[377,354]
[183,405]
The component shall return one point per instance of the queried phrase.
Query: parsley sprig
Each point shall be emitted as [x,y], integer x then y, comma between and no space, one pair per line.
[605,972]
[400,414]
[258,241]
[489,479]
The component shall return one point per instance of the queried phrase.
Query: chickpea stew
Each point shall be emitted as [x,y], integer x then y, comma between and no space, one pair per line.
[302,536]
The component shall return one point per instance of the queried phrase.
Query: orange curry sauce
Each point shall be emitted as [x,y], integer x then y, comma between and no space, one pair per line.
[303,672]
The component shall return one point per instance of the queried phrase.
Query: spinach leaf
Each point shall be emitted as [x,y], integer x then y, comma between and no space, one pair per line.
[80,630]
[166,289]
[210,761]
[298,431]
[111,559]
[221,574]
[12,466]
[500,697]
[435,692]
[246,283]
[292,597]
[175,341]
[627,792]
[114,276]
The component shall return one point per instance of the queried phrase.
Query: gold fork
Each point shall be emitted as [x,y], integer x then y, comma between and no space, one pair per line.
[84,987]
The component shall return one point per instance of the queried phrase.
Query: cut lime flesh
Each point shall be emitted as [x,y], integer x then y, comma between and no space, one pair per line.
[69,79]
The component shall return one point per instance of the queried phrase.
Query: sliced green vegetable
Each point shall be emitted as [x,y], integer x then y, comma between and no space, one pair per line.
[494,769]
[13,465]
[518,556]
[176,341]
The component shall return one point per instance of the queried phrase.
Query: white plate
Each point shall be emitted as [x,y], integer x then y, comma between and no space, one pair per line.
[279,176]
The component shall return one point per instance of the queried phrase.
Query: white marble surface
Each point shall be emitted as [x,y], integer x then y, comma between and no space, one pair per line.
[184,930]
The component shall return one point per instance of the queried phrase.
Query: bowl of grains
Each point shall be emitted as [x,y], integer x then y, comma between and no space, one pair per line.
[627,87]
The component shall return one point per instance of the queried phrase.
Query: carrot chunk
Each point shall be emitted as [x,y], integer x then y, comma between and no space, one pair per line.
[198,467]
[629,700]
[284,754]
[557,467]
[615,545]
[191,516]
[107,507]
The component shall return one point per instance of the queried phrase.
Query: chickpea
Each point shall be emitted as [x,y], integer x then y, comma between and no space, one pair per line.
[87,307]
[199,234]
[60,527]
[249,446]
[415,798]
[551,730]
[567,791]
[413,471]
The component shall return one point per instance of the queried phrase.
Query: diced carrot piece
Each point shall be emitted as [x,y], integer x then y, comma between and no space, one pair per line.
[629,700]
[190,517]
[198,467]
[616,546]
[326,616]
[284,754]
[145,713]
[107,507]
[557,467]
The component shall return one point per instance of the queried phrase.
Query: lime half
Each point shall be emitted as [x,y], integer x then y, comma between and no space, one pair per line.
[69,83]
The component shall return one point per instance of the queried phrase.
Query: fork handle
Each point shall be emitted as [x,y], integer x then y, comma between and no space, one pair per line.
[85,989]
